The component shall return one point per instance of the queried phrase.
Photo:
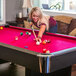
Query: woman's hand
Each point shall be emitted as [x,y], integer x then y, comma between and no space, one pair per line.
[38,39]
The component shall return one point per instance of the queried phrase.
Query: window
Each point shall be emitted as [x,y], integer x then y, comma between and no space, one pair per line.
[60,5]
[56,4]
[0,9]
[66,5]
[2,12]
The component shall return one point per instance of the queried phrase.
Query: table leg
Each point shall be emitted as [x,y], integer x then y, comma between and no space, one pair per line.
[62,72]
[29,72]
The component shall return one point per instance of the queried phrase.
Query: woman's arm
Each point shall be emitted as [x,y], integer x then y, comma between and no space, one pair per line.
[41,31]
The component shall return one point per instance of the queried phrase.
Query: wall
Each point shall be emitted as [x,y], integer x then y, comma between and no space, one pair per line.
[13,7]
[0,10]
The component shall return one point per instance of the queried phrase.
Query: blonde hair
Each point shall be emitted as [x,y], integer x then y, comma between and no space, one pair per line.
[40,14]
[36,9]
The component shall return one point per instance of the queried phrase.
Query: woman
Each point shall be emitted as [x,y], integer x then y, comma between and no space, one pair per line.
[43,22]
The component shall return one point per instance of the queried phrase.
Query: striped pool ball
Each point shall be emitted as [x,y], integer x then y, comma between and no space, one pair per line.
[29,33]
[47,51]
[16,37]
[48,41]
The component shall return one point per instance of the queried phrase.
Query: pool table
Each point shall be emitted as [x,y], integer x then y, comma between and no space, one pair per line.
[56,63]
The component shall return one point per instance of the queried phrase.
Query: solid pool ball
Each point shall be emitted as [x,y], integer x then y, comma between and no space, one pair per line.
[44,50]
[1,28]
[47,51]
[27,33]
[25,46]
[21,33]
[44,42]
[37,43]
[16,37]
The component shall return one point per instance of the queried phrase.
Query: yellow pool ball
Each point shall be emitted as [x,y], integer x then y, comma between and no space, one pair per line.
[1,28]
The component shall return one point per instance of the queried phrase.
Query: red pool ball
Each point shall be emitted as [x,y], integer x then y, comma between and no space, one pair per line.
[44,50]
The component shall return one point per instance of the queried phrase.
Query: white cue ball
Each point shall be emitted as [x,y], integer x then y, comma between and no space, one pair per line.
[37,43]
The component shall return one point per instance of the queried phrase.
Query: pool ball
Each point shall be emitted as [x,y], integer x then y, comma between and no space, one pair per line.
[48,41]
[29,33]
[16,37]
[44,50]
[37,43]
[44,42]
[21,33]
[25,46]
[1,28]
[47,51]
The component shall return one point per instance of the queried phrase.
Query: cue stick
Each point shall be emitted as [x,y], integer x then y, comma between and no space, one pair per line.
[33,32]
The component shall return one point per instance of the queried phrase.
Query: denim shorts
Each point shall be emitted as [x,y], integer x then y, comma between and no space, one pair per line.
[53,29]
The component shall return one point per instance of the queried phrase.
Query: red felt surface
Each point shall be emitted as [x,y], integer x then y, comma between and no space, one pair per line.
[58,43]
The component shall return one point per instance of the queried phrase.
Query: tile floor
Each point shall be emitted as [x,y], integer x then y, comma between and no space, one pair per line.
[16,70]
[73,70]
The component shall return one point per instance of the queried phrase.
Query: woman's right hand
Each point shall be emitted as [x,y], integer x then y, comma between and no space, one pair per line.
[38,39]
